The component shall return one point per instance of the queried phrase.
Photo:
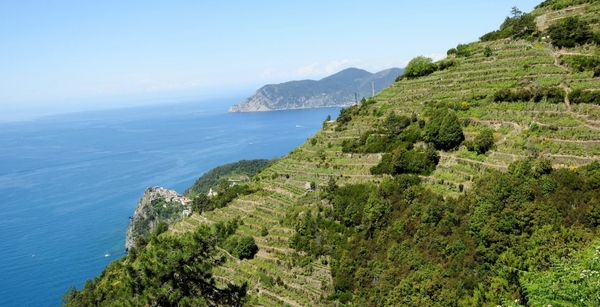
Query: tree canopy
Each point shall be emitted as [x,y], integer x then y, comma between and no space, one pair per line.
[418,67]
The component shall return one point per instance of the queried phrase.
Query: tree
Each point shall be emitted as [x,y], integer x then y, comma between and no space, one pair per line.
[174,270]
[419,66]
[246,248]
[444,130]
[515,12]
[484,141]
[199,203]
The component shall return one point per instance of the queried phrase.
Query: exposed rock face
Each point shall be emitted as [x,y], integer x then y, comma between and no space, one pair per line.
[156,205]
[336,90]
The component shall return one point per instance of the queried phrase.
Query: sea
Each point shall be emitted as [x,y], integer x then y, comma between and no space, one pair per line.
[70,182]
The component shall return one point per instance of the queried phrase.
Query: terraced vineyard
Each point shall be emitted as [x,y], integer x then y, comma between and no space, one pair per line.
[568,134]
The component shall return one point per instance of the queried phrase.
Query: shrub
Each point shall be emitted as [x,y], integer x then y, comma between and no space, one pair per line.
[579,96]
[548,94]
[487,52]
[264,231]
[581,63]
[484,141]
[463,50]
[446,63]
[508,95]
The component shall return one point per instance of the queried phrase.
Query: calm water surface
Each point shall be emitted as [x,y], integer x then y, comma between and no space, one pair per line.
[69,183]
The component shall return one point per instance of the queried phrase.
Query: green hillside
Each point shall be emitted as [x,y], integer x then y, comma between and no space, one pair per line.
[237,171]
[472,181]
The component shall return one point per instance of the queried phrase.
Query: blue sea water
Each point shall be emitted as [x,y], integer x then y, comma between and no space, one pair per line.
[68,183]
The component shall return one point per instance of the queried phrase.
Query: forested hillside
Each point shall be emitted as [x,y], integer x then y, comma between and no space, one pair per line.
[471,181]
[237,170]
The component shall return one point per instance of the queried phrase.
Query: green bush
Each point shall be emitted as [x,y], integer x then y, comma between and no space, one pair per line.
[446,63]
[264,231]
[579,96]
[418,67]
[487,52]
[242,247]
[513,95]
[463,50]
[535,94]
[581,63]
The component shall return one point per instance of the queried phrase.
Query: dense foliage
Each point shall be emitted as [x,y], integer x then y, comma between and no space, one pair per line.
[573,281]
[581,96]
[212,178]
[461,50]
[419,66]
[552,94]
[397,243]
[444,130]
[423,66]
[242,247]
[483,142]
[395,131]
[569,32]
[171,270]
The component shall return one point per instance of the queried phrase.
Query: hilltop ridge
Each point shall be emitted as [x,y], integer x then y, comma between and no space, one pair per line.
[338,89]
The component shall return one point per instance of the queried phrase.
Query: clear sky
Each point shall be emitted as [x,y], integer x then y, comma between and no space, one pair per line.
[59,55]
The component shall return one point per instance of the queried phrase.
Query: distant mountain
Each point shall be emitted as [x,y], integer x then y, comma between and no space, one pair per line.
[336,90]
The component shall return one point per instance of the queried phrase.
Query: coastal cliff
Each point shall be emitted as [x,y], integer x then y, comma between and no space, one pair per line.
[340,89]
[156,205]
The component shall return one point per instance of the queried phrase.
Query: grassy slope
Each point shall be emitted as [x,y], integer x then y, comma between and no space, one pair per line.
[574,140]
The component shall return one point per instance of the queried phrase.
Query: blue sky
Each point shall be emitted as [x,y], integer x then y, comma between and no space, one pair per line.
[59,55]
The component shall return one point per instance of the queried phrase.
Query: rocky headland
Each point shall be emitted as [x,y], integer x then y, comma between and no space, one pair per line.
[156,205]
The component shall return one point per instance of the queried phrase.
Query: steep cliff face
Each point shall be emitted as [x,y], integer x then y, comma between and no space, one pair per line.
[336,90]
[156,205]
